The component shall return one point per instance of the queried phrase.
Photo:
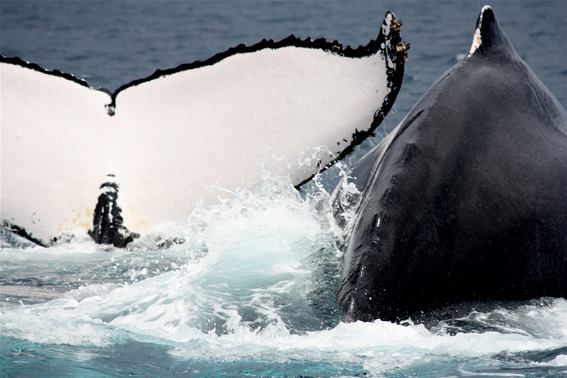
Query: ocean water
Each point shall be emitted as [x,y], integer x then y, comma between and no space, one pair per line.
[252,290]
[251,293]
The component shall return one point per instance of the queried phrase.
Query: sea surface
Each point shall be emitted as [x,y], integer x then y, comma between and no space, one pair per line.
[251,292]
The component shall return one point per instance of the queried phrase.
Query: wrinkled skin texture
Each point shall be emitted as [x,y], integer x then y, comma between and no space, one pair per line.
[466,199]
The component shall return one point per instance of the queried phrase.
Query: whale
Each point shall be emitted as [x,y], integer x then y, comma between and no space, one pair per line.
[77,160]
[465,200]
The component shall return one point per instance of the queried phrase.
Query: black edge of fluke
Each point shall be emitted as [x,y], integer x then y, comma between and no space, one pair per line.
[20,231]
[36,67]
[334,47]
[396,51]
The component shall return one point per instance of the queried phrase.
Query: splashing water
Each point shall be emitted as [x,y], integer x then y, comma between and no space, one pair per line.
[251,291]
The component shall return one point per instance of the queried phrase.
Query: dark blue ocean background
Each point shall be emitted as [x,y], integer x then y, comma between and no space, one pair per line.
[110,43]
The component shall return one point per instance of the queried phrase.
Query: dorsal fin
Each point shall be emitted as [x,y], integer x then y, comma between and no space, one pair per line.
[489,38]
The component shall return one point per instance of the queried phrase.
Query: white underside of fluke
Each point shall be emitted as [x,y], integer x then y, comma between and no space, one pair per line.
[173,138]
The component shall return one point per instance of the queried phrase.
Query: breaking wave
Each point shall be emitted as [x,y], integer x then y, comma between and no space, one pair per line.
[251,283]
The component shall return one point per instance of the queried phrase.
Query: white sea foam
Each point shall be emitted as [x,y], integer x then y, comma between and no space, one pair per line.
[253,289]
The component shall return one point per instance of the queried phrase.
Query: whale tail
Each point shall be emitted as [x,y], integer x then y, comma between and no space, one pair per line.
[180,131]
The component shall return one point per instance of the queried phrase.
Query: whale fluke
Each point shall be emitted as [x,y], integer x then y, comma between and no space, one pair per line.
[292,106]
[465,200]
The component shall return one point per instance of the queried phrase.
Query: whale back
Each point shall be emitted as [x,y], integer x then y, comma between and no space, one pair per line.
[466,199]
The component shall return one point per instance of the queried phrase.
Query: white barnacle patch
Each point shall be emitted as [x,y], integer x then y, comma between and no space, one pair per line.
[477,38]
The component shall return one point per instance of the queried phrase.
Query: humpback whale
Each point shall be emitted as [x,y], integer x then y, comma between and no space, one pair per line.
[156,145]
[465,200]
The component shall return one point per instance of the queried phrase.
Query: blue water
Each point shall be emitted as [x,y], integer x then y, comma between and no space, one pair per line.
[251,293]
